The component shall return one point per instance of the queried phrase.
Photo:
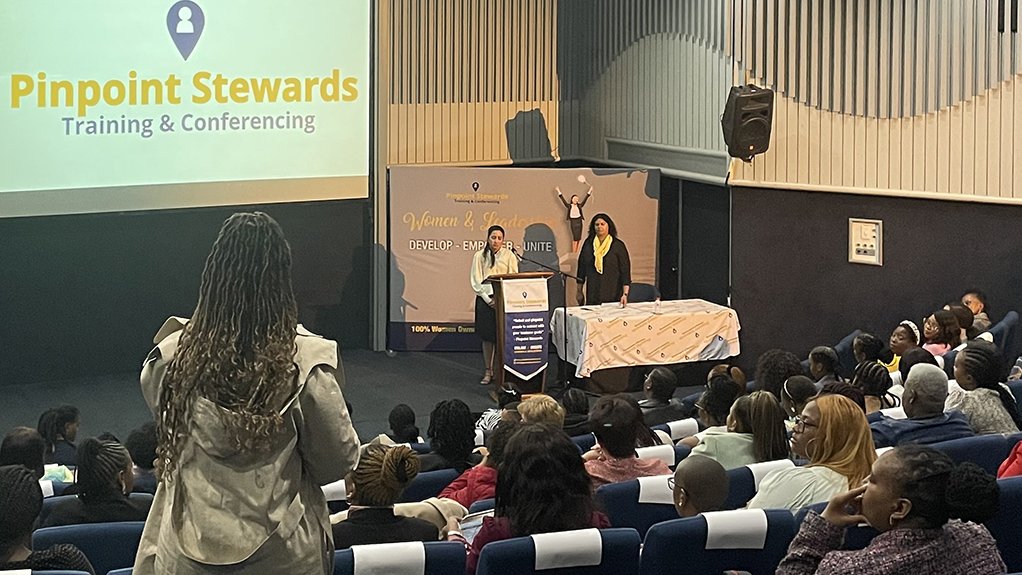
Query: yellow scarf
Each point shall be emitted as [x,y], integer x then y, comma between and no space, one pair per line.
[600,250]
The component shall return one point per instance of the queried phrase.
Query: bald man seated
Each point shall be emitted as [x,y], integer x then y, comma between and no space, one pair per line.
[926,422]
[700,485]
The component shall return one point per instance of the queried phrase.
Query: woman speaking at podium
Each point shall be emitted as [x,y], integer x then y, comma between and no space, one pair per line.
[493,259]
[603,265]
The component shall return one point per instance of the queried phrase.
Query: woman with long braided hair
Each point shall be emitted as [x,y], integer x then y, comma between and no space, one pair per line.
[988,405]
[250,417]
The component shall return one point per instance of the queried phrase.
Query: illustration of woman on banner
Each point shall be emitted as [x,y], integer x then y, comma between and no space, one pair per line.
[493,259]
[575,217]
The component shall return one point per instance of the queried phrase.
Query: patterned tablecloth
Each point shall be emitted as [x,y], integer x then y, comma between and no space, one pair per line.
[606,336]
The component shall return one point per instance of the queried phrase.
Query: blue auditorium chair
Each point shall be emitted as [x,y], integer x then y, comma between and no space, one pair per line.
[582,552]
[639,503]
[432,558]
[1016,389]
[108,546]
[678,429]
[743,482]
[336,494]
[420,448]
[1005,526]
[987,451]
[428,484]
[855,538]
[481,505]
[1004,332]
[120,572]
[753,540]
[57,572]
[669,454]
[584,442]
[845,353]
[640,292]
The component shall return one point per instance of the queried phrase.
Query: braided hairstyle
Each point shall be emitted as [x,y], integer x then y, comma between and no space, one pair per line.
[141,445]
[940,490]
[774,367]
[383,473]
[869,346]
[21,500]
[984,363]
[53,422]
[721,393]
[238,349]
[452,430]
[874,380]
[99,466]
[827,358]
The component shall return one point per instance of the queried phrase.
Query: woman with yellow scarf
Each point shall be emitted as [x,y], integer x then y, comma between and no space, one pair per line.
[603,265]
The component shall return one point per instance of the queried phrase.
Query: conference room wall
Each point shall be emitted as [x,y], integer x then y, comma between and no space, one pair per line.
[794,288]
[83,295]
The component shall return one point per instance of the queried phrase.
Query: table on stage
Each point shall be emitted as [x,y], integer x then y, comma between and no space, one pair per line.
[608,336]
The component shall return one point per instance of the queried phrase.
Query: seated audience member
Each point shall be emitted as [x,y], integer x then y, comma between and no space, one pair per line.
[373,486]
[987,404]
[976,301]
[21,499]
[644,436]
[1012,465]
[867,347]
[542,487]
[59,426]
[774,367]
[451,438]
[832,434]
[402,425]
[875,384]
[912,495]
[845,389]
[659,406]
[965,321]
[713,407]
[911,357]
[734,372]
[824,366]
[542,409]
[941,332]
[491,417]
[510,412]
[24,446]
[576,411]
[904,337]
[700,484]
[755,433]
[105,479]
[925,420]
[479,482]
[795,393]
[614,459]
[141,446]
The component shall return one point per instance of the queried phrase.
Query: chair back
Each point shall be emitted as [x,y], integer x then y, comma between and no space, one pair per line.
[1005,526]
[125,571]
[845,353]
[1015,386]
[640,292]
[1004,331]
[482,505]
[54,572]
[753,540]
[108,546]
[856,537]
[639,503]
[409,558]
[669,454]
[584,442]
[336,494]
[743,482]
[679,429]
[428,484]
[581,552]
[986,451]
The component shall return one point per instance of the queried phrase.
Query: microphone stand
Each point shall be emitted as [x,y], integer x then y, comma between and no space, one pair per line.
[562,368]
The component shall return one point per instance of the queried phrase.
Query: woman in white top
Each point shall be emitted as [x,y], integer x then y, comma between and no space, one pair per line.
[493,259]
[755,432]
[832,433]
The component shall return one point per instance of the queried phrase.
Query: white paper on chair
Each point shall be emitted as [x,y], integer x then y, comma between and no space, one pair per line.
[390,559]
[335,491]
[581,548]
[654,489]
[683,428]
[47,486]
[740,529]
[759,470]
[664,453]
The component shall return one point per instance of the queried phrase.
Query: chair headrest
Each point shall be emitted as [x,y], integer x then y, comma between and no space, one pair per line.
[683,428]
[894,412]
[480,440]
[883,450]
[664,453]
[654,489]
[759,470]
[665,438]
[581,548]
[407,558]
[335,491]
[739,529]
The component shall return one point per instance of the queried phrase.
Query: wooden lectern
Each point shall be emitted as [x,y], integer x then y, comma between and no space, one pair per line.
[497,281]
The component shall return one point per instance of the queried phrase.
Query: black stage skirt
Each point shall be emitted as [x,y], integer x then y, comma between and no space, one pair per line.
[486,321]
[576,229]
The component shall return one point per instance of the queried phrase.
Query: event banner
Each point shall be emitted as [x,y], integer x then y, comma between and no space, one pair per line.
[526,326]
[438,221]
[126,93]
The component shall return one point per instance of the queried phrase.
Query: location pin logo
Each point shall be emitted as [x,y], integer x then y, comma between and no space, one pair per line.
[475,186]
[185,22]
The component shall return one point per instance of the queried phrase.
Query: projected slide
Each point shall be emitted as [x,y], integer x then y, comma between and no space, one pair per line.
[138,105]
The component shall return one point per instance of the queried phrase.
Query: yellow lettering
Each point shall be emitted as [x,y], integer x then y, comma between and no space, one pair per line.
[88,95]
[204,93]
[310,83]
[350,89]
[330,88]
[21,86]
[265,89]
[239,90]
[292,90]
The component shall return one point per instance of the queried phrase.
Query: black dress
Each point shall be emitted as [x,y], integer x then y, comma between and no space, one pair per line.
[369,525]
[617,272]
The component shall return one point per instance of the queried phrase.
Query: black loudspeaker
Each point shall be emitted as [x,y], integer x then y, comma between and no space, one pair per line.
[746,121]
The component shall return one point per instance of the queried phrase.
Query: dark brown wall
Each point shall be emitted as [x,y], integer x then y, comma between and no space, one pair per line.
[83,295]
[794,288]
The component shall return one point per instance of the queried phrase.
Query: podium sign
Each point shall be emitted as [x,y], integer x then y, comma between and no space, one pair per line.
[526,329]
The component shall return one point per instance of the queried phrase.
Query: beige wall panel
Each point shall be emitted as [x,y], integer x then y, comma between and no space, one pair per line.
[981,143]
[968,166]
[1008,159]
[994,144]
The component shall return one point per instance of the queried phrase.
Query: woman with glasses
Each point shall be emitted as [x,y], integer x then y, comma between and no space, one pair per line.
[833,435]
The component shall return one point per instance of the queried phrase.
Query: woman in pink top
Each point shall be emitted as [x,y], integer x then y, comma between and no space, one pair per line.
[613,460]
[941,332]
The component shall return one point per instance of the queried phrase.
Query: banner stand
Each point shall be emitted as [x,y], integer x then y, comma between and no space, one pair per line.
[523,318]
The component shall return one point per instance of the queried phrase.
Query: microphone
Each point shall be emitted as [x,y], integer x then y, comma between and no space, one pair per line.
[515,252]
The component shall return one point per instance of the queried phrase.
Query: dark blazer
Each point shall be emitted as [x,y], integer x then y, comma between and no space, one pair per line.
[581,203]
[369,525]
[656,413]
[617,272]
